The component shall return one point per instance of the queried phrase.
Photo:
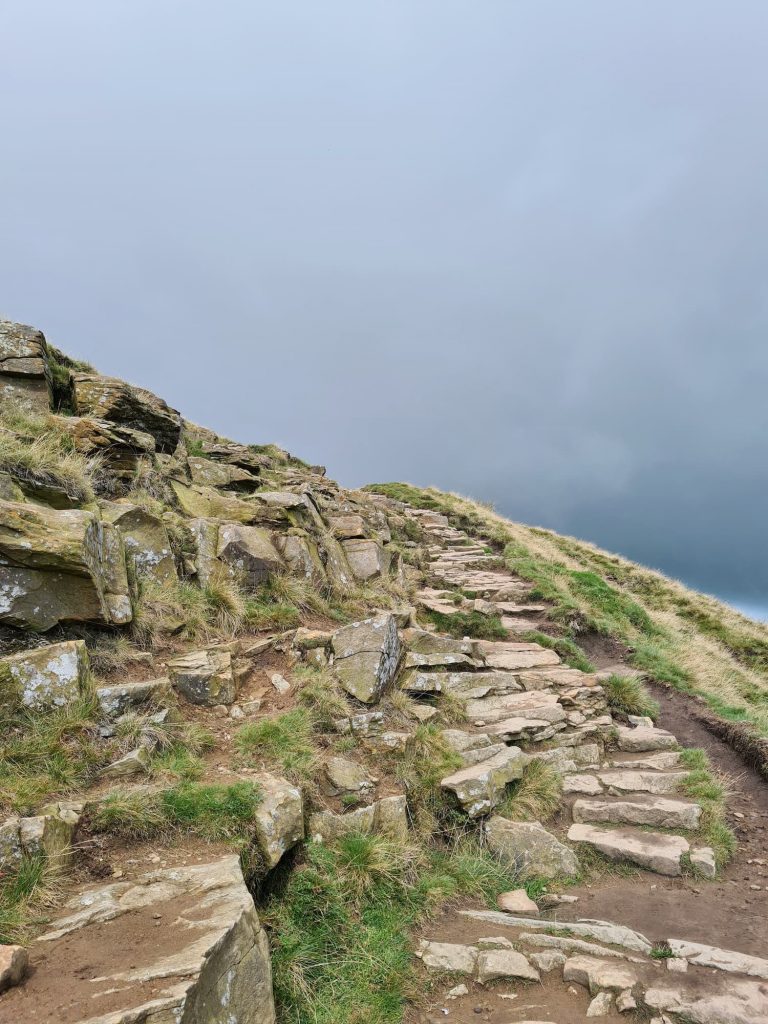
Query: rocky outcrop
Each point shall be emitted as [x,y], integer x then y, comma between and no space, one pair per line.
[120,448]
[279,817]
[248,552]
[367,656]
[208,963]
[388,815]
[60,566]
[24,375]
[146,540]
[108,398]
[49,677]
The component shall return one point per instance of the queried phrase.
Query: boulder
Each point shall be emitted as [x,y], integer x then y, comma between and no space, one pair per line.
[60,566]
[248,551]
[135,762]
[652,850]
[279,822]
[24,375]
[205,535]
[205,677]
[302,556]
[48,834]
[145,538]
[601,1005]
[494,964]
[388,815]
[208,962]
[529,849]
[14,961]
[366,558]
[367,656]
[108,398]
[517,902]
[49,677]
[479,787]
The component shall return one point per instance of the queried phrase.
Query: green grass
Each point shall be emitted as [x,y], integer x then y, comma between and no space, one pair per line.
[285,741]
[461,624]
[627,695]
[426,761]
[214,812]
[41,755]
[566,648]
[340,929]
[320,693]
[706,788]
[24,891]
[536,796]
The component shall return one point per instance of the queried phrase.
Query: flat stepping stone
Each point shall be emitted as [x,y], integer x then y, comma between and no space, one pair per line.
[640,810]
[448,957]
[511,656]
[721,959]
[586,784]
[600,975]
[528,849]
[659,783]
[643,739]
[654,762]
[600,931]
[540,704]
[652,850]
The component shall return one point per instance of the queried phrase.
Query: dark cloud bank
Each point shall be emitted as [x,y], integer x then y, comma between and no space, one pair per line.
[517,249]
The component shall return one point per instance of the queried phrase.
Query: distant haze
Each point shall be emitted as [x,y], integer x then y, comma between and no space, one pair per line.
[514,249]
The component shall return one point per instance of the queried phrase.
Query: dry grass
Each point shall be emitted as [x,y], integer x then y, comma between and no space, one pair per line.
[36,449]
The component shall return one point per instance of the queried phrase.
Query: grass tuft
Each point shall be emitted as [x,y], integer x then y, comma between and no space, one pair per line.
[285,741]
[627,695]
[536,796]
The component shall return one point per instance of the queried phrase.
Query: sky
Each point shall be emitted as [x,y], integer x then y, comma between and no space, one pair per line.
[513,249]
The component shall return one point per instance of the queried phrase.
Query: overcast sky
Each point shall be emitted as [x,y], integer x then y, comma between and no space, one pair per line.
[516,249]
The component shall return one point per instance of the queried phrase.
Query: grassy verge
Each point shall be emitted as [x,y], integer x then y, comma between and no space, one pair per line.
[25,891]
[568,649]
[286,742]
[703,785]
[341,945]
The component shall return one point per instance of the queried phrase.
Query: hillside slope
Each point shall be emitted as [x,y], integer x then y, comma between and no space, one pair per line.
[273,750]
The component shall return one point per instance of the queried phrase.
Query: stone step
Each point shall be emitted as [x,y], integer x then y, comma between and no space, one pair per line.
[652,850]
[658,783]
[653,762]
[480,787]
[601,931]
[639,810]
[639,740]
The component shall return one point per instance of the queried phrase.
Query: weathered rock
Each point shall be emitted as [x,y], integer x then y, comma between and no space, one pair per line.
[464,684]
[625,1001]
[302,556]
[601,1005]
[744,1002]
[642,739]
[704,861]
[204,677]
[117,698]
[586,784]
[510,656]
[248,551]
[529,849]
[24,375]
[653,762]
[564,944]
[280,683]
[658,783]
[135,762]
[347,527]
[480,787]
[60,566]
[279,818]
[601,931]
[345,776]
[547,960]
[448,957]
[366,558]
[47,834]
[119,448]
[504,963]
[388,815]
[598,975]
[145,538]
[208,473]
[652,850]
[49,677]
[721,959]
[108,398]
[640,810]
[209,964]
[517,902]
[366,656]
[14,961]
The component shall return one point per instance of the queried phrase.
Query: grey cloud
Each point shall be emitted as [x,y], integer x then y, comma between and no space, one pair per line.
[515,249]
